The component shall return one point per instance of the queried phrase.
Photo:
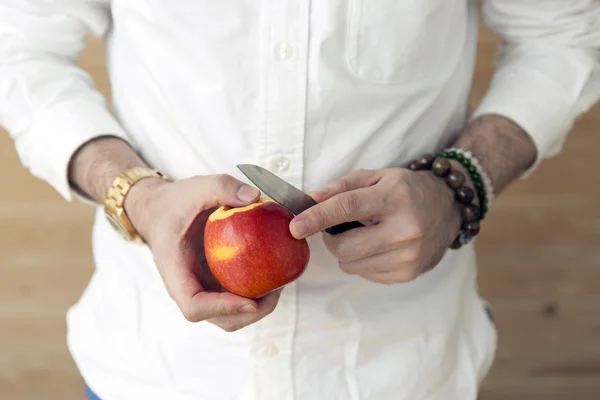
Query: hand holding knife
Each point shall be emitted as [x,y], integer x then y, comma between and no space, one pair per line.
[288,196]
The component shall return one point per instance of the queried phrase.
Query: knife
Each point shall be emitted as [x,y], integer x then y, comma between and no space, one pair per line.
[287,195]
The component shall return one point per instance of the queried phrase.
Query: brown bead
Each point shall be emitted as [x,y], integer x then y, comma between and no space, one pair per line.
[455,179]
[441,167]
[426,161]
[470,212]
[464,195]
[471,228]
[414,166]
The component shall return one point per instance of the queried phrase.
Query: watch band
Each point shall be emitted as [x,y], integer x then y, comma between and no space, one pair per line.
[115,200]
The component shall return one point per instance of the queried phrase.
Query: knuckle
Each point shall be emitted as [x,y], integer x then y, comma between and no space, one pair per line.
[382,280]
[401,193]
[411,257]
[345,254]
[190,315]
[268,310]
[406,275]
[350,269]
[396,240]
[337,186]
[369,177]
[221,180]
[318,218]
[231,327]
[345,269]
[396,196]
[414,231]
[349,204]
[364,173]
[221,309]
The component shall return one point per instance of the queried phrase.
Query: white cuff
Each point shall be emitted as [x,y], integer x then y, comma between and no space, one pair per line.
[535,102]
[57,133]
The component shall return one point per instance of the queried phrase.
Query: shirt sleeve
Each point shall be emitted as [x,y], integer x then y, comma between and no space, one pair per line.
[548,68]
[48,104]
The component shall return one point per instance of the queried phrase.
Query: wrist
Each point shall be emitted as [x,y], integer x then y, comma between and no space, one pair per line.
[463,221]
[505,151]
[141,204]
[447,200]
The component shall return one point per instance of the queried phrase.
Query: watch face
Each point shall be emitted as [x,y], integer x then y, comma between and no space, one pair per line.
[115,224]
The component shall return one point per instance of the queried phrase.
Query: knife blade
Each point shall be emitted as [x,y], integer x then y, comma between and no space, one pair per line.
[287,195]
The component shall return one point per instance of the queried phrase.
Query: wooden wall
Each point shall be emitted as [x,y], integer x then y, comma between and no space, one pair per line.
[539,256]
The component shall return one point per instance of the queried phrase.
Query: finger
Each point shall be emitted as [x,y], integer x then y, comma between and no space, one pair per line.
[182,281]
[360,204]
[371,240]
[206,305]
[226,190]
[232,323]
[352,181]
[403,261]
[321,196]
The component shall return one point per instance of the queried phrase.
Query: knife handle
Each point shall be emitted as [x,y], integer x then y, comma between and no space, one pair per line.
[341,228]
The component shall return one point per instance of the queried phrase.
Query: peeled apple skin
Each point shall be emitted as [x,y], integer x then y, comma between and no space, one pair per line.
[250,250]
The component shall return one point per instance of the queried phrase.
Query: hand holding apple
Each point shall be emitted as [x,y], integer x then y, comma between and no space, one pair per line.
[171,217]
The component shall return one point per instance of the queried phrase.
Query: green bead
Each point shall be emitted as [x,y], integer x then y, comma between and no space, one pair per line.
[478,185]
[460,157]
[472,170]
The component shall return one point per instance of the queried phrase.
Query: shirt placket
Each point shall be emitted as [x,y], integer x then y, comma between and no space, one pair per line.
[285,42]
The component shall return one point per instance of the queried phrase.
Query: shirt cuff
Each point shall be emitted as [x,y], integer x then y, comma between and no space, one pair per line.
[57,133]
[535,102]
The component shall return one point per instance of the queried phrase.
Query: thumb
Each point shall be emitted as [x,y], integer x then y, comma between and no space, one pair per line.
[226,190]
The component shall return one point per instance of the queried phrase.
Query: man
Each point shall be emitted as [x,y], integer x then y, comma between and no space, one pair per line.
[340,98]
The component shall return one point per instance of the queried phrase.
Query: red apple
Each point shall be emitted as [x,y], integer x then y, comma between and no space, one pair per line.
[250,250]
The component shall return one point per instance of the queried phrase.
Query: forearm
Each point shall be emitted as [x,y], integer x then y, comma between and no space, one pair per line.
[97,163]
[504,150]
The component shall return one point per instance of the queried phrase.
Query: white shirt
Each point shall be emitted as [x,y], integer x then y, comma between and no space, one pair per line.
[311,90]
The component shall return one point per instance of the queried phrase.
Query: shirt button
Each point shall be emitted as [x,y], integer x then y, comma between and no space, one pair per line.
[270,351]
[281,164]
[284,51]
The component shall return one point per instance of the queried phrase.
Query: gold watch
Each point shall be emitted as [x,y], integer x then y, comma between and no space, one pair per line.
[115,200]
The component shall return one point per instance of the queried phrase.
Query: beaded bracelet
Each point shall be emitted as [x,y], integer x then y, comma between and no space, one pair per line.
[481,180]
[470,213]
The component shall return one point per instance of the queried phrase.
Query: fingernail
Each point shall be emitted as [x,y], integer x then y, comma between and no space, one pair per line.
[299,229]
[247,308]
[247,193]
